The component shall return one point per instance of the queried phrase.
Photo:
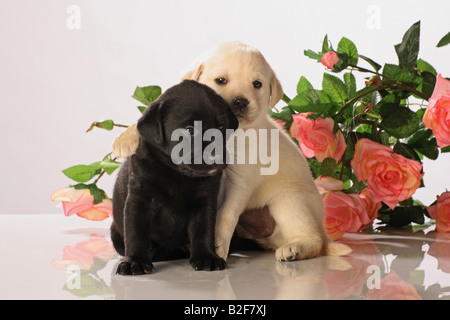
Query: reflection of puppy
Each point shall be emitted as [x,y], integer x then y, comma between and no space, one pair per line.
[160,207]
[241,75]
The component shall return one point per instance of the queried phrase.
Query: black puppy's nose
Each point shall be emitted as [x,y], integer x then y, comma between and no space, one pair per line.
[240,103]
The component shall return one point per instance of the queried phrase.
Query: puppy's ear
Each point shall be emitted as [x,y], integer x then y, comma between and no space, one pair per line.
[193,72]
[276,91]
[150,125]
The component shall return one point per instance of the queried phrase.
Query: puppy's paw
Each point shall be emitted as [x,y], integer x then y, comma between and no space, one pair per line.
[207,262]
[126,143]
[222,246]
[288,252]
[129,266]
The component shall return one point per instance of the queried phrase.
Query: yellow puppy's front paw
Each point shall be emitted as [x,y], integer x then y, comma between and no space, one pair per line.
[126,143]
[221,247]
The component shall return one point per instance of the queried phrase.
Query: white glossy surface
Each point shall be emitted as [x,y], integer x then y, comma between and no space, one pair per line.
[56,257]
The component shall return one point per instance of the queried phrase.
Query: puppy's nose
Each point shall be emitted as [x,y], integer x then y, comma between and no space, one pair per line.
[240,103]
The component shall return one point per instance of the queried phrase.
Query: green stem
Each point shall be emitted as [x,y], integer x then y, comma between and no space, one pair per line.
[363,69]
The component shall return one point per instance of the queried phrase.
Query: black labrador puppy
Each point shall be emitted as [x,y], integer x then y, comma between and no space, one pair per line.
[164,203]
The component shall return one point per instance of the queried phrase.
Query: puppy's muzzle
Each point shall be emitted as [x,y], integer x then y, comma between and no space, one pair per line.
[240,104]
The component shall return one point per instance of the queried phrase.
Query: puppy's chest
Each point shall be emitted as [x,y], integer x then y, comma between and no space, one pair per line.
[179,200]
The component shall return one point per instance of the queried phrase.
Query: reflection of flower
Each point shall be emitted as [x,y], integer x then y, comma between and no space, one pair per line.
[351,282]
[441,212]
[316,138]
[343,284]
[83,253]
[437,116]
[391,177]
[81,203]
[440,249]
[392,287]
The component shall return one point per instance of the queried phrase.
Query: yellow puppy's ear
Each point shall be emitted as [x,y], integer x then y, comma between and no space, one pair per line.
[276,91]
[193,73]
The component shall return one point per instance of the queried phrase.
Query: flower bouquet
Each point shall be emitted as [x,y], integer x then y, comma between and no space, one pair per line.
[364,145]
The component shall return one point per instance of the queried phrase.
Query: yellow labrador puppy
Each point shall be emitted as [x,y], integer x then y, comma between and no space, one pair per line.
[243,77]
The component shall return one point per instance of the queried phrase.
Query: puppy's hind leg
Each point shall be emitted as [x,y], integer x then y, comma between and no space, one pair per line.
[299,217]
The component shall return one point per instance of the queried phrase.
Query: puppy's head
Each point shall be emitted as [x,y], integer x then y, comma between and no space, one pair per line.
[175,125]
[241,75]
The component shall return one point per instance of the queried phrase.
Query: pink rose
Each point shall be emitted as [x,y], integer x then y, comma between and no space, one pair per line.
[372,207]
[441,212]
[329,59]
[316,137]
[392,287]
[343,213]
[81,203]
[391,177]
[280,123]
[437,115]
[327,184]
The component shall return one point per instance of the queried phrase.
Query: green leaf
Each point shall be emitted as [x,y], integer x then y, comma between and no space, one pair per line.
[303,85]
[424,142]
[105,124]
[357,187]
[425,66]
[408,49]
[403,216]
[348,47]
[314,166]
[444,41]
[406,151]
[284,115]
[342,64]
[142,109]
[399,121]
[350,84]
[394,72]
[82,173]
[428,83]
[328,167]
[334,87]
[147,95]
[313,55]
[445,149]
[374,65]
[314,107]
[325,44]
[109,165]
[98,194]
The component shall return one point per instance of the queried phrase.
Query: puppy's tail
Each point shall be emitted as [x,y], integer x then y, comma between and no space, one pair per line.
[337,249]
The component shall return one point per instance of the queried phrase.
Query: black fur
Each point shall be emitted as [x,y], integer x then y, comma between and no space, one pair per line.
[160,209]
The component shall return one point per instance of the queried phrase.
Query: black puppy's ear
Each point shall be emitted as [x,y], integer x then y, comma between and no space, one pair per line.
[150,125]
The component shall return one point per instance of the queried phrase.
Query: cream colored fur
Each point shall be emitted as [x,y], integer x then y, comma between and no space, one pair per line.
[290,194]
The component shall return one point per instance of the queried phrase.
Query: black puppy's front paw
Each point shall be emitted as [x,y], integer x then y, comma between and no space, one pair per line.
[209,262]
[131,267]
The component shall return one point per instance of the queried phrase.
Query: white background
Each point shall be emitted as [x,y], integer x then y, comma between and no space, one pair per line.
[55,81]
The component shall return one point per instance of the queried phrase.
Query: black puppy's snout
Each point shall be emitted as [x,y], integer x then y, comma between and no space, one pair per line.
[240,103]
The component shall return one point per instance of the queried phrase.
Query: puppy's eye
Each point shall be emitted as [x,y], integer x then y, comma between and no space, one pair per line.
[190,130]
[257,84]
[221,81]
